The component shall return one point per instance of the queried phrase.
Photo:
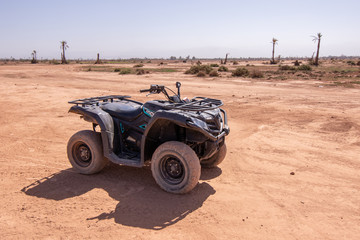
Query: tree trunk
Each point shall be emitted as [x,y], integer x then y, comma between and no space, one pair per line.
[273,54]
[63,60]
[98,59]
[317,53]
[226,58]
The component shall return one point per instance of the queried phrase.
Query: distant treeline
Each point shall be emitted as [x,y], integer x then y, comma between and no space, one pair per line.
[194,58]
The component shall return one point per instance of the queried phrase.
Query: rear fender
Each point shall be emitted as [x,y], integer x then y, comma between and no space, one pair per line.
[97,116]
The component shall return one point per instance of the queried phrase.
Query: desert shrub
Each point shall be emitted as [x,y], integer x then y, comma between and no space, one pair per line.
[117,70]
[199,68]
[214,73]
[89,69]
[125,71]
[214,65]
[138,65]
[201,74]
[240,72]
[286,68]
[297,63]
[256,74]
[140,71]
[164,70]
[304,68]
[223,69]
[351,63]
[235,62]
[53,62]
[311,61]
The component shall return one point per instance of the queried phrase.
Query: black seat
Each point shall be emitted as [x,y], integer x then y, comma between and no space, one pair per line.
[126,111]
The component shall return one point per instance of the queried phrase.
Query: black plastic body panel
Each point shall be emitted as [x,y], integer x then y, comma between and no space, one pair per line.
[131,131]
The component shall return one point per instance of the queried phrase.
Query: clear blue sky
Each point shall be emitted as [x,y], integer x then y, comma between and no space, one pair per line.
[164,28]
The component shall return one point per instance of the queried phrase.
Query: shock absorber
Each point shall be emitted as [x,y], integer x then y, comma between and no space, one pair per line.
[181,134]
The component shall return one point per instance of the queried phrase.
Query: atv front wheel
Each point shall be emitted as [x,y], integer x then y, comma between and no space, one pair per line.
[216,159]
[85,152]
[175,167]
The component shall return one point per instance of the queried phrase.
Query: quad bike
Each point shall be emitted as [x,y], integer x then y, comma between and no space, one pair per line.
[176,136]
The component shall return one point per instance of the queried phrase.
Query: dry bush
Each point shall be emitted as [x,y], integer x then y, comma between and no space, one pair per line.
[256,74]
[124,71]
[223,69]
[240,72]
[201,74]
[304,68]
[53,62]
[214,73]
[286,68]
[199,68]
[140,71]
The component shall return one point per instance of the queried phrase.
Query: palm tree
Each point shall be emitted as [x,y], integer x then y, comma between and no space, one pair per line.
[317,38]
[98,59]
[226,56]
[274,42]
[33,54]
[63,46]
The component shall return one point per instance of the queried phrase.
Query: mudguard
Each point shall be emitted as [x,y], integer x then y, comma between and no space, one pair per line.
[103,119]
[181,120]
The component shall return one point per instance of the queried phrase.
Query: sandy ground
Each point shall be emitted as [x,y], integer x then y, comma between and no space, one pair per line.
[291,172]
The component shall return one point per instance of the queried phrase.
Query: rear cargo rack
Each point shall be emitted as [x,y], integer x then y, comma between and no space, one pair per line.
[197,104]
[97,100]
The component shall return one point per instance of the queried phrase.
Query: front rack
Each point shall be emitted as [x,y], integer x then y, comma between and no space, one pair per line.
[197,104]
[97,100]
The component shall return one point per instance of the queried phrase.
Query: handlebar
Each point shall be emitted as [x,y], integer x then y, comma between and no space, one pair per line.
[154,88]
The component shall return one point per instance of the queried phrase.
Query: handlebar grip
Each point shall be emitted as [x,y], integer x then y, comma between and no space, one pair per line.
[145,90]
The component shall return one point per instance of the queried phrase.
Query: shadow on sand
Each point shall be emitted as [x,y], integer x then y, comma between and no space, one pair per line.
[141,202]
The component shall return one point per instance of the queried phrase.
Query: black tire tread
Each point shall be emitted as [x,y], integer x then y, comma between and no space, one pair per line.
[189,159]
[93,140]
[216,159]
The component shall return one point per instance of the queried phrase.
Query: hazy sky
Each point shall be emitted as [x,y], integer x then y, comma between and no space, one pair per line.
[164,28]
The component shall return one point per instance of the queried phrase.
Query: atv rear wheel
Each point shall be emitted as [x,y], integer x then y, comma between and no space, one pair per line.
[175,167]
[85,152]
[216,159]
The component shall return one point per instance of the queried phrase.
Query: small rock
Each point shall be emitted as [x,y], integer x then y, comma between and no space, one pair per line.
[292,173]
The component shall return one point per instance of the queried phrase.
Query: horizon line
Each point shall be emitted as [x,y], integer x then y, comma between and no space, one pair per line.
[177,59]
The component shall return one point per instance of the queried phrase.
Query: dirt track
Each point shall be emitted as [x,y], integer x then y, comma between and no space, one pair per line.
[277,128]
